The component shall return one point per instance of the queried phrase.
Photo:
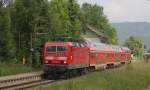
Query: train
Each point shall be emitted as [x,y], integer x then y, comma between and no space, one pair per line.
[76,57]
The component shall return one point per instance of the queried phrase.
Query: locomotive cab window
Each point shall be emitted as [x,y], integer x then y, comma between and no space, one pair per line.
[51,49]
[56,49]
[61,48]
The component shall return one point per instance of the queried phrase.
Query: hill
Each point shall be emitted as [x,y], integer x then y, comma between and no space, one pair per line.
[140,29]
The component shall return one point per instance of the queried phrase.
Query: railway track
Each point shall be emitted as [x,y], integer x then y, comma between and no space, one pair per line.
[22,81]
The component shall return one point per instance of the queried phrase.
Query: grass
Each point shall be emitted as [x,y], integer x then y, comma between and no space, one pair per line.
[12,69]
[129,77]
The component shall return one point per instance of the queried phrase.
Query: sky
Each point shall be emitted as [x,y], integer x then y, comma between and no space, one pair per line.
[124,10]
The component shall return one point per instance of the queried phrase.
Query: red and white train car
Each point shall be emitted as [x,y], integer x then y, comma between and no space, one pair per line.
[75,57]
[104,55]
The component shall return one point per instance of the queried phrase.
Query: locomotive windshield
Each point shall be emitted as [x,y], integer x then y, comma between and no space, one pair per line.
[56,49]
[51,49]
[61,48]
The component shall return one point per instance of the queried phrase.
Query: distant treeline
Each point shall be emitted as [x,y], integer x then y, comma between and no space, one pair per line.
[26,24]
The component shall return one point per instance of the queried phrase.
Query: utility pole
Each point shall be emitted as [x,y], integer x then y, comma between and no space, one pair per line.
[31,49]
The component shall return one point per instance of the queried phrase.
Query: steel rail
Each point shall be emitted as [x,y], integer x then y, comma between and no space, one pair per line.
[22,81]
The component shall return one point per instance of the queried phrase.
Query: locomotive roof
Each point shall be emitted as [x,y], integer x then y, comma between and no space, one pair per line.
[69,39]
[92,45]
[58,43]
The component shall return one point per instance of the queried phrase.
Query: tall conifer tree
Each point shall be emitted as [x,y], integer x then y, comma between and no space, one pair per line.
[7,46]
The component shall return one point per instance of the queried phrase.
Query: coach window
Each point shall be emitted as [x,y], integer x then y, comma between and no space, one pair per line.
[122,55]
[107,55]
[51,49]
[113,55]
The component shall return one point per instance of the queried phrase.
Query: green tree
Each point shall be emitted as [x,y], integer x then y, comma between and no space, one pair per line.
[74,16]
[22,26]
[135,44]
[41,28]
[94,16]
[7,46]
[30,23]
[59,19]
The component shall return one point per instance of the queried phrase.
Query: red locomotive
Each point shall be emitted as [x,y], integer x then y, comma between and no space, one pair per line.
[76,57]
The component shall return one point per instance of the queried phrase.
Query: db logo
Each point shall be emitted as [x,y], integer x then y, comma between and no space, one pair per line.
[55,58]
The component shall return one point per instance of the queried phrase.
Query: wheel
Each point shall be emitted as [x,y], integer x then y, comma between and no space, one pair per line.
[67,74]
[85,70]
[44,76]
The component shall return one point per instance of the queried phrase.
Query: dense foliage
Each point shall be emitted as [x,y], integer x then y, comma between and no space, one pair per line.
[26,24]
[93,15]
[7,45]
[30,24]
[136,45]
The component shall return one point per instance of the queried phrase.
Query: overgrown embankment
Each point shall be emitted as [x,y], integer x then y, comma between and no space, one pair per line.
[12,69]
[130,77]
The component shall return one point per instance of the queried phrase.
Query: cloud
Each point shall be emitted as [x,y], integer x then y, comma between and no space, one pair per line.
[124,10]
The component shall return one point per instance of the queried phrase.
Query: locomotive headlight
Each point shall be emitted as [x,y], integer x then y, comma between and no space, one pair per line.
[71,57]
[65,62]
[46,61]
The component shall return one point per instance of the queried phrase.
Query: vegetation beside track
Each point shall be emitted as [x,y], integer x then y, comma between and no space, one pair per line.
[129,77]
[12,69]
